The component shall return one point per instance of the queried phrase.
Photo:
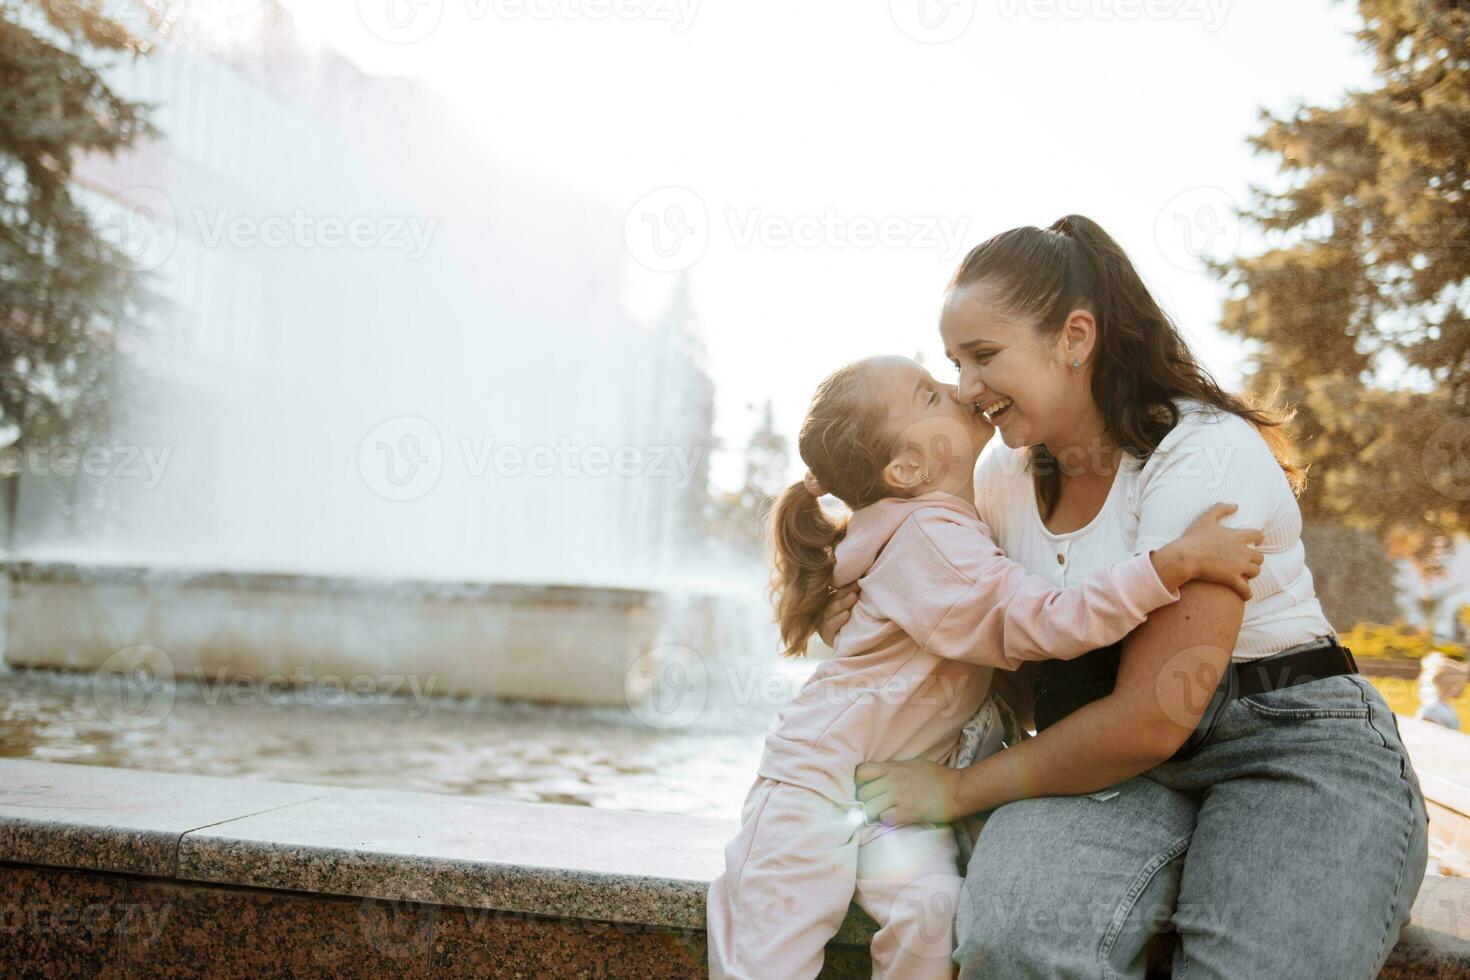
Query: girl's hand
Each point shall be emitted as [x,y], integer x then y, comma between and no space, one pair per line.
[914,791]
[1212,552]
[838,611]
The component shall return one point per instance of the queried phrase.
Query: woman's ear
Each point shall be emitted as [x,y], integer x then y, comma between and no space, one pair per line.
[906,472]
[1078,337]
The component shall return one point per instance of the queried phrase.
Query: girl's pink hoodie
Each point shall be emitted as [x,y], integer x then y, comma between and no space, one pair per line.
[939,607]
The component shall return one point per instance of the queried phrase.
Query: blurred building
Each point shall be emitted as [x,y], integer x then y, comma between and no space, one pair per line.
[477,300]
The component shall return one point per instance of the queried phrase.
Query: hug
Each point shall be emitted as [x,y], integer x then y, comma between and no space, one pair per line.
[1122,574]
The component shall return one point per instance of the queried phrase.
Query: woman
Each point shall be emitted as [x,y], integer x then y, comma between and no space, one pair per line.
[1249,789]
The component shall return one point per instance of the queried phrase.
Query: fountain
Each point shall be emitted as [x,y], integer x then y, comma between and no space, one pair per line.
[390,410]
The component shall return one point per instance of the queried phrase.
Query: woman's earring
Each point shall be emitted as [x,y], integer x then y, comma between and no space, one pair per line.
[1076,364]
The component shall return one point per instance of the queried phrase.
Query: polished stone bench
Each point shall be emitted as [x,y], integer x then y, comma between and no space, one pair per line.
[1442,760]
[113,872]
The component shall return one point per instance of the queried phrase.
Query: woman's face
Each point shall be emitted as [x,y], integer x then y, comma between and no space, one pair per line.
[1023,381]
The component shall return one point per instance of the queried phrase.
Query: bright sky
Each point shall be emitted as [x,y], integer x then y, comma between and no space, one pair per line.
[809,119]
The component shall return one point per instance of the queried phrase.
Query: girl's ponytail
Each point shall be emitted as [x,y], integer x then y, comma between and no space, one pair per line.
[804,538]
[845,440]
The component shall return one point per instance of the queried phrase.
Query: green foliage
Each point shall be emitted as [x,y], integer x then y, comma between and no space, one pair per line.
[1359,310]
[1396,641]
[65,292]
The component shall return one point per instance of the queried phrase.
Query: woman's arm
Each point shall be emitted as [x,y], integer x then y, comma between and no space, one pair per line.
[1170,668]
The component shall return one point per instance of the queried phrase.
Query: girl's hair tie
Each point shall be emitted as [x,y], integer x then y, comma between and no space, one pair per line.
[813,486]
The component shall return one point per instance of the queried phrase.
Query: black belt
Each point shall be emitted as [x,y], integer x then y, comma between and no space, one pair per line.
[1322,657]
[1063,686]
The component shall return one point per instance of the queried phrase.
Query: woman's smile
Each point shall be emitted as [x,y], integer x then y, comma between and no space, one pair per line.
[995,408]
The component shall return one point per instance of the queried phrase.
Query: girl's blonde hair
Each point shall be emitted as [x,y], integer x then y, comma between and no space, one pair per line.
[846,442]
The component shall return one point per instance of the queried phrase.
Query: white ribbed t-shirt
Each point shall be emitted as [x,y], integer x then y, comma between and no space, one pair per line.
[1209,456]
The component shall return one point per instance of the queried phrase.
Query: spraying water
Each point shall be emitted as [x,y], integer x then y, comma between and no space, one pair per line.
[376,352]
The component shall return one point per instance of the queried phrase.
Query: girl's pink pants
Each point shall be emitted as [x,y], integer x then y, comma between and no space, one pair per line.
[799,860]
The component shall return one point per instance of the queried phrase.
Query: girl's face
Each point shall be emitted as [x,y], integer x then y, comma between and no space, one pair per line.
[939,435]
[1023,381]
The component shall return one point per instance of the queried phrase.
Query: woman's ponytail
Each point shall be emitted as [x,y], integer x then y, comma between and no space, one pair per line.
[1140,358]
[804,539]
[1150,356]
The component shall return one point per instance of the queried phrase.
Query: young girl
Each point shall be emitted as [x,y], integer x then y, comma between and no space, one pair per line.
[911,667]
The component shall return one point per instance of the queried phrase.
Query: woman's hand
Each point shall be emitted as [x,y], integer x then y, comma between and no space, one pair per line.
[1211,552]
[914,791]
[838,611]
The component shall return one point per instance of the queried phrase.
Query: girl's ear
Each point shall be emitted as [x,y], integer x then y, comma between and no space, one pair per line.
[1078,337]
[905,473]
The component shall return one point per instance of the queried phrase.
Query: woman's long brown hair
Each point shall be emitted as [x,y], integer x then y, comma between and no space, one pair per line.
[1141,362]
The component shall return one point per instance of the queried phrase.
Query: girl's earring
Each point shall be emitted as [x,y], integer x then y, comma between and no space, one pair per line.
[1076,364]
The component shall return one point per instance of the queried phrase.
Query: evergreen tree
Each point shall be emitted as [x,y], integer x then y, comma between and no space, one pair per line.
[767,457]
[740,517]
[66,293]
[1357,311]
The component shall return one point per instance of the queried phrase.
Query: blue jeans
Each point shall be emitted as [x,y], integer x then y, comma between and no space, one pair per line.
[1290,846]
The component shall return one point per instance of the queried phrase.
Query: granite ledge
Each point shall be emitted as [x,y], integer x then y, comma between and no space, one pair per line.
[642,869]
[99,819]
[540,859]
